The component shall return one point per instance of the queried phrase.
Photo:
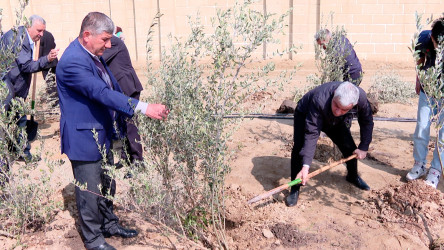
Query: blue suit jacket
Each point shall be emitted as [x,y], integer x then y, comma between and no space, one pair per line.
[87,103]
[21,72]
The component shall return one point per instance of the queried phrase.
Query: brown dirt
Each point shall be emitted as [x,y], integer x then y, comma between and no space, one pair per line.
[331,213]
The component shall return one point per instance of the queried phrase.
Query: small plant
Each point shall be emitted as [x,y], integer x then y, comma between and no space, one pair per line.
[330,61]
[49,99]
[388,87]
[201,80]
[312,80]
[432,82]
[26,203]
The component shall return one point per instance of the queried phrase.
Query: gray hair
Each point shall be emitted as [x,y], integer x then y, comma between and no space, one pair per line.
[347,93]
[322,34]
[97,23]
[35,18]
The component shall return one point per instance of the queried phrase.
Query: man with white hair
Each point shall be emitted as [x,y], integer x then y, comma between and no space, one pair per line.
[22,41]
[323,109]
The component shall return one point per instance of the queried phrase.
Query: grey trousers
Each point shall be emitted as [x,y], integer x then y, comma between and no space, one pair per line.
[95,212]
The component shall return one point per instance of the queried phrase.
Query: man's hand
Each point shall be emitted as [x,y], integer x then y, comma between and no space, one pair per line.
[303,174]
[418,85]
[157,111]
[360,154]
[53,55]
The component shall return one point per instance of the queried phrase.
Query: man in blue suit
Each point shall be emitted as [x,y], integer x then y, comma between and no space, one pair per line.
[19,77]
[90,102]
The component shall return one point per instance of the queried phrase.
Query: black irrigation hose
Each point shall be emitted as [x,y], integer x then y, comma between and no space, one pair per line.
[270,116]
[286,116]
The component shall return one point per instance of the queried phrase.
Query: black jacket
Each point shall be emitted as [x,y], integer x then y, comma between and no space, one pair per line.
[315,107]
[47,43]
[22,68]
[119,62]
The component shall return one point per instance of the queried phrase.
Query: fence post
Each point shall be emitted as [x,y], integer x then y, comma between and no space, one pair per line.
[290,26]
[264,46]
[160,35]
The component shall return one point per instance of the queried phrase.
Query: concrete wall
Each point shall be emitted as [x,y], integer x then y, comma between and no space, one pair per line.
[381,29]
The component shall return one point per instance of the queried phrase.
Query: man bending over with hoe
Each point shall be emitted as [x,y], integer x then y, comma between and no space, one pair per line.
[324,109]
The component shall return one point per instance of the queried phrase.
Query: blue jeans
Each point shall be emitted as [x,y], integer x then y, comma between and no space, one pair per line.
[421,136]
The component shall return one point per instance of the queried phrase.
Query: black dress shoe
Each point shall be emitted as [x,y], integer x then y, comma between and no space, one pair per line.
[128,175]
[292,198]
[121,232]
[119,165]
[104,246]
[358,182]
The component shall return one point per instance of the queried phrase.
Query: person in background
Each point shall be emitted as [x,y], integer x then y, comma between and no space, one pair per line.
[119,62]
[91,102]
[352,71]
[323,109]
[47,43]
[119,33]
[19,77]
[427,43]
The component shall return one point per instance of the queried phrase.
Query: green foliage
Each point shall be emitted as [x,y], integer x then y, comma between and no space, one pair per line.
[432,81]
[201,80]
[25,202]
[313,80]
[49,98]
[197,219]
[330,61]
[388,87]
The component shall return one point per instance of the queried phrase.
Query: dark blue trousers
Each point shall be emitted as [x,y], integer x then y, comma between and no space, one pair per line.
[339,134]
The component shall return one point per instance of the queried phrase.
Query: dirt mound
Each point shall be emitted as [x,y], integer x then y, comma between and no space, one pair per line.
[407,201]
[290,236]
[326,150]
[417,207]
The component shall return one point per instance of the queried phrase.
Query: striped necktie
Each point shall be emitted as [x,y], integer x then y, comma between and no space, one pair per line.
[103,73]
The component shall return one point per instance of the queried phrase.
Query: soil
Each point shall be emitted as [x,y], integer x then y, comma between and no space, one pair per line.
[330,214]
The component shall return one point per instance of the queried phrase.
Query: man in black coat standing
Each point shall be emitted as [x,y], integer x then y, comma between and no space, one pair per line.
[118,60]
[323,109]
[47,43]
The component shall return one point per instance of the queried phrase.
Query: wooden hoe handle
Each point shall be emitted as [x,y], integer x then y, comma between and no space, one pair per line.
[297,181]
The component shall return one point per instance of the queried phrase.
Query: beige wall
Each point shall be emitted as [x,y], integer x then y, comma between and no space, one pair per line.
[380,29]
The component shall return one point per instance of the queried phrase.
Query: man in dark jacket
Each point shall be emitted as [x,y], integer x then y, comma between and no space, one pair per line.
[47,43]
[119,62]
[19,77]
[352,70]
[323,109]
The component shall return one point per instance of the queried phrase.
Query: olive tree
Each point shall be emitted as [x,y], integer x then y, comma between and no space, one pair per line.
[201,79]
